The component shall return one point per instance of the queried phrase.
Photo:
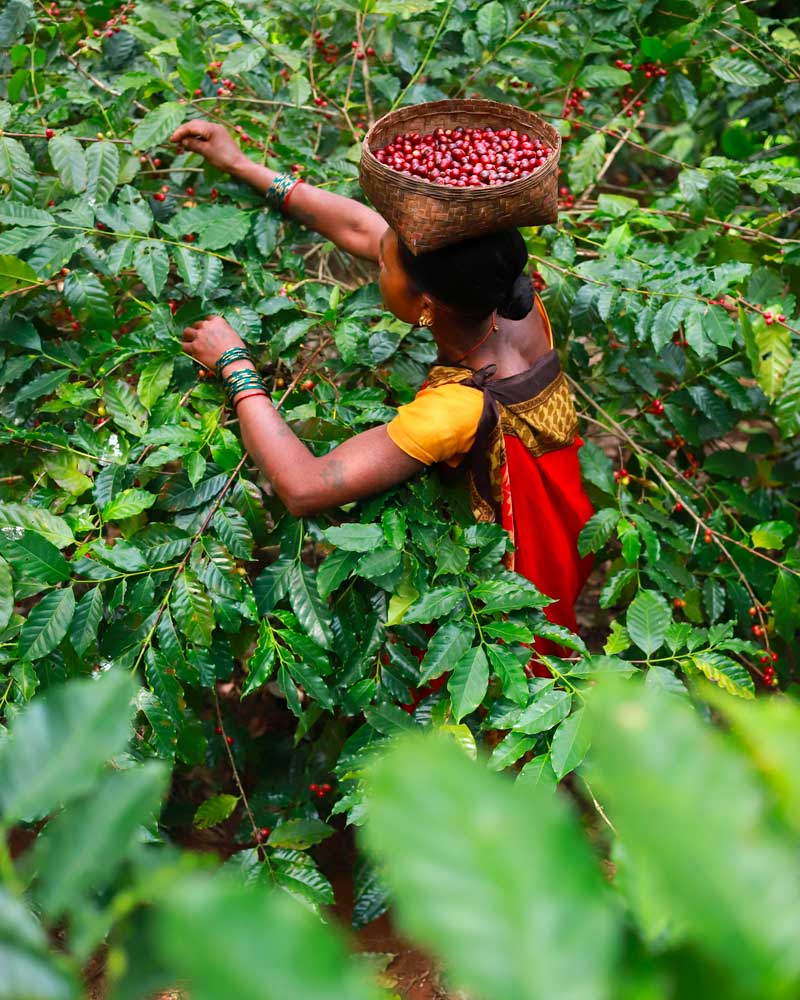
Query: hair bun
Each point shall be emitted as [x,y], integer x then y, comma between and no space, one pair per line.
[519,301]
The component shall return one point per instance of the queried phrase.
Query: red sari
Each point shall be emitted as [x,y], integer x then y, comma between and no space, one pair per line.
[524,473]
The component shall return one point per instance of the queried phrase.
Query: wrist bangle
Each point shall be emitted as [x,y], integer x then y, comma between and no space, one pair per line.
[247,395]
[278,192]
[232,354]
[239,381]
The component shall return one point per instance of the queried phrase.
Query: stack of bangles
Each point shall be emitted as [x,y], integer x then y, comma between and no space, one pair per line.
[281,189]
[242,380]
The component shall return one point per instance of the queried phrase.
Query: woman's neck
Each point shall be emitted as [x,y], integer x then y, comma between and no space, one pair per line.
[465,343]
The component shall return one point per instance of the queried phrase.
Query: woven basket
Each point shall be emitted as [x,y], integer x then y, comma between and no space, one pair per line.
[427,216]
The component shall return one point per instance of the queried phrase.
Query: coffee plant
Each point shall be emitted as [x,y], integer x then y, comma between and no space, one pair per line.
[478,868]
[275,656]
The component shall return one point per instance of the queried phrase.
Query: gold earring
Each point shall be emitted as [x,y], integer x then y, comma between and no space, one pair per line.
[425,321]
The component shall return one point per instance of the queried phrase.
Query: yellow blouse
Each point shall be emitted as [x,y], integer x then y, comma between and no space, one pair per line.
[439,425]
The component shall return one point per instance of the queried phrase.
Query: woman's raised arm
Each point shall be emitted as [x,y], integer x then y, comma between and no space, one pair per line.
[353,227]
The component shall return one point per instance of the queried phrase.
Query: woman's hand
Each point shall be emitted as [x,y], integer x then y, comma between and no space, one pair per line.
[212,141]
[208,340]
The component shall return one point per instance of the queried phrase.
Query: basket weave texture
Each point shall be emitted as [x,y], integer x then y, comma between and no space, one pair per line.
[427,216]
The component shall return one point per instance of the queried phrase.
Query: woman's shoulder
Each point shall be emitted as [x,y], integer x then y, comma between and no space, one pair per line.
[440,422]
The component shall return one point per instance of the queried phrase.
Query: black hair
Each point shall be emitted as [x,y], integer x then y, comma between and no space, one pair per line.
[476,276]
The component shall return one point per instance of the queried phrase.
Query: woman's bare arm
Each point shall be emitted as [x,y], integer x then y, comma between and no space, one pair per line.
[353,227]
[366,464]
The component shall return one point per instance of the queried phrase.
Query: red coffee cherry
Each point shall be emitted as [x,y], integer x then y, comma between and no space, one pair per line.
[465,157]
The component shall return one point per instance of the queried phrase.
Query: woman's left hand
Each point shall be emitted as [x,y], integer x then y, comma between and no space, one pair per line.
[208,340]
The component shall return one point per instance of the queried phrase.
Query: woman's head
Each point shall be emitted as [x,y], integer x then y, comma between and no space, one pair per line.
[468,280]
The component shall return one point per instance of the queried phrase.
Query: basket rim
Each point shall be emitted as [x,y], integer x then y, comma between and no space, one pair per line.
[370,162]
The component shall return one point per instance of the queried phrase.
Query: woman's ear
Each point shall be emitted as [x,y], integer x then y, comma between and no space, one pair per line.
[427,311]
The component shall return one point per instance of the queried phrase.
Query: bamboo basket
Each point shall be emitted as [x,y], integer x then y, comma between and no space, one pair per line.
[427,216]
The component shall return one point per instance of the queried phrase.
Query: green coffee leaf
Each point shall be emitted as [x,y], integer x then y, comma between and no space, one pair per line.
[102,172]
[570,744]
[447,645]
[214,810]
[47,624]
[59,743]
[152,265]
[492,23]
[158,124]
[468,682]
[647,620]
[448,825]
[66,155]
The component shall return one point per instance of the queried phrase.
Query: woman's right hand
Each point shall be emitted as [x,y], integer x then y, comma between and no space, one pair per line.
[211,141]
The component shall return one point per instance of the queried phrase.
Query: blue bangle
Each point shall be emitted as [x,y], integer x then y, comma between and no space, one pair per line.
[279,189]
[232,354]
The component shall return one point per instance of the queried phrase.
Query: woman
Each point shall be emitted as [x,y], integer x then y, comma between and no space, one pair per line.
[496,402]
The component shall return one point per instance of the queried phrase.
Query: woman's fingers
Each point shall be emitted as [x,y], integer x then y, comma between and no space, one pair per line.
[194,130]
[195,145]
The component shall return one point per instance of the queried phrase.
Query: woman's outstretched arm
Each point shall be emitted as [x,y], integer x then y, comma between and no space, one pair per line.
[353,227]
[367,464]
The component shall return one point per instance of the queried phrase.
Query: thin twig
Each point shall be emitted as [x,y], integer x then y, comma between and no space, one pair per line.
[419,70]
[597,805]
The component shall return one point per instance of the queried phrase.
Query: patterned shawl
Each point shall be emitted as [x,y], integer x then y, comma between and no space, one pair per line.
[534,406]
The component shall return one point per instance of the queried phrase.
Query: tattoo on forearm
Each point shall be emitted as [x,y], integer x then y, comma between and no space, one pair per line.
[332,474]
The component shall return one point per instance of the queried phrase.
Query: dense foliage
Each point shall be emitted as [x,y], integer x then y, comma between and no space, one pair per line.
[496,880]
[272,653]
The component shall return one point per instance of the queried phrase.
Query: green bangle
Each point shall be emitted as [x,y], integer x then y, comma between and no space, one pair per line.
[242,377]
[232,354]
[240,380]
[279,189]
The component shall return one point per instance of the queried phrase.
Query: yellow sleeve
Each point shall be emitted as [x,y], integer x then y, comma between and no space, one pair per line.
[439,424]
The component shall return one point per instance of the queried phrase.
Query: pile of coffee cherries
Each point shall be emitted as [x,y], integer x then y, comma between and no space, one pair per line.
[465,157]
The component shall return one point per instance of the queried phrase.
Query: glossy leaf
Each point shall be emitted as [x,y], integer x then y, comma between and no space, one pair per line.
[225,921]
[102,171]
[67,157]
[570,744]
[310,608]
[80,850]
[192,609]
[60,741]
[214,810]
[468,682]
[446,647]
[86,620]
[478,899]
[545,711]
[47,624]
[647,620]
[684,800]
